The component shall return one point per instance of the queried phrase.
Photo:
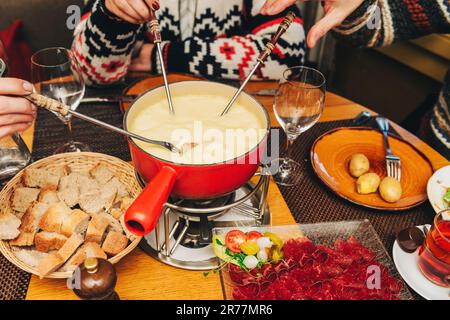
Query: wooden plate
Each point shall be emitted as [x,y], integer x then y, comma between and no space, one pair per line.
[331,153]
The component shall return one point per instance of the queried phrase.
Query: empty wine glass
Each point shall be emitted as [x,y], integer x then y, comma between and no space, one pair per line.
[56,74]
[298,105]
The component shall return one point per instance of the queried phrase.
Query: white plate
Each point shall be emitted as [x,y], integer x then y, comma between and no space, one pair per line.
[406,264]
[437,186]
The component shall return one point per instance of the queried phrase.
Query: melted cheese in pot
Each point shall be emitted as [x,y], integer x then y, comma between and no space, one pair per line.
[197,120]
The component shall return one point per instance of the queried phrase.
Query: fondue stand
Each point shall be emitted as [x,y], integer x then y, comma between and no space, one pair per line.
[183,235]
[142,277]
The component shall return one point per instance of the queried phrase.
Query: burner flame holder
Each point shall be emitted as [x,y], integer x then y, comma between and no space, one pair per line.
[188,214]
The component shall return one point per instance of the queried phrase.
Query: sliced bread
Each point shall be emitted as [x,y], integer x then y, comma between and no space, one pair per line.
[30,225]
[96,228]
[68,190]
[49,264]
[115,242]
[54,217]
[43,178]
[23,197]
[9,226]
[48,196]
[102,173]
[70,246]
[77,222]
[45,241]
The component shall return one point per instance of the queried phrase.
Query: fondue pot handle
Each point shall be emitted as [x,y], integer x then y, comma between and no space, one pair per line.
[143,215]
[282,28]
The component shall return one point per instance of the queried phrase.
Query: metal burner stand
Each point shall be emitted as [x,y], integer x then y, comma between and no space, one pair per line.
[164,252]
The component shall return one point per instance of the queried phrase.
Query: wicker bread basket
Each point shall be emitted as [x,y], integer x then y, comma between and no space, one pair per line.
[77,162]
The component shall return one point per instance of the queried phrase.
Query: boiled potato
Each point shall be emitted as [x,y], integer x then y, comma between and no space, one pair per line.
[368,183]
[390,189]
[359,164]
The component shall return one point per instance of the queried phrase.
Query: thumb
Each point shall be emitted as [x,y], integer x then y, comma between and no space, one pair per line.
[328,22]
[272,7]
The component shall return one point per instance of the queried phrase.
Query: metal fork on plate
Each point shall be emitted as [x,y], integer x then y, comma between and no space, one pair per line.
[393,163]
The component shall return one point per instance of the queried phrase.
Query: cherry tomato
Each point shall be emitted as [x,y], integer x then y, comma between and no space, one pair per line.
[234,239]
[253,235]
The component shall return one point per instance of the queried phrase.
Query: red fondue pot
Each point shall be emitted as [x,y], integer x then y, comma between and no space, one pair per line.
[186,181]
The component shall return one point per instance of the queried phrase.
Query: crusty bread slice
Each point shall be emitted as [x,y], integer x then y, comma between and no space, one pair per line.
[48,196]
[88,185]
[49,264]
[122,190]
[68,190]
[92,203]
[96,228]
[54,217]
[9,226]
[70,246]
[115,212]
[45,241]
[102,173]
[125,203]
[43,178]
[113,224]
[30,225]
[115,242]
[87,250]
[23,197]
[30,257]
[77,222]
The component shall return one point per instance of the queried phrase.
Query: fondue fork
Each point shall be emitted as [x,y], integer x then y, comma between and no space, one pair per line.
[64,110]
[155,29]
[284,25]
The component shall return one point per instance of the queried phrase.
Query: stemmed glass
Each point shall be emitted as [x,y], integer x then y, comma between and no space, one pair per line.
[298,105]
[56,73]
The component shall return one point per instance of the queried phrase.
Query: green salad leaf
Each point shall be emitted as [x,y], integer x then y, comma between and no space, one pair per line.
[447,197]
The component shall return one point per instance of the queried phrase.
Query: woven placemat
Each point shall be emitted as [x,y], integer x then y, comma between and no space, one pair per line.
[311,201]
[13,281]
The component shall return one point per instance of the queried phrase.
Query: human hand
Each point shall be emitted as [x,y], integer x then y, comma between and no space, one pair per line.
[335,13]
[132,11]
[16,113]
[143,62]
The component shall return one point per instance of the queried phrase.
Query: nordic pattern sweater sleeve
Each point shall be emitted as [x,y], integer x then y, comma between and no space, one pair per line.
[227,38]
[230,48]
[381,22]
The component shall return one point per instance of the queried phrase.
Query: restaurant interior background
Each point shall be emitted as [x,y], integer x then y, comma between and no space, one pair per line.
[405,76]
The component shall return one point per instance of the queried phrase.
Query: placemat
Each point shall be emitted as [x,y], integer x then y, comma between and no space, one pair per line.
[311,201]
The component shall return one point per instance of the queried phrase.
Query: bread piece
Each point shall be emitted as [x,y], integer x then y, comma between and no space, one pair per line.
[71,245]
[48,196]
[77,222]
[92,203]
[30,225]
[128,233]
[108,194]
[102,173]
[43,178]
[114,243]
[49,264]
[113,224]
[122,190]
[88,185]
[96,228]
[68,190]
[23,197]
[54,217]
[87,250]
[29,256]
[45,241]
[9,226]
[115,213]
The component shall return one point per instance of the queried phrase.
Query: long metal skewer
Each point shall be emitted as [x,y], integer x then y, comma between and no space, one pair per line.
[156,32]
[58,107]
[284,25]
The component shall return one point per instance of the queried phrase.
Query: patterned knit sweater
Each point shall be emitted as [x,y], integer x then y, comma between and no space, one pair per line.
[381,22]
[228,36]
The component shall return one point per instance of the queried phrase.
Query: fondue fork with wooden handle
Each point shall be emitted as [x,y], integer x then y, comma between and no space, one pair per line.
[284,25]
[64,110]
[155,29]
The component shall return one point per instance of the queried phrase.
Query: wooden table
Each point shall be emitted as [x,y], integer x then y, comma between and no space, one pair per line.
[142,277]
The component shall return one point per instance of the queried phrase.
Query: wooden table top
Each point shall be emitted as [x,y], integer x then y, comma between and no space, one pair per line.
[142,277]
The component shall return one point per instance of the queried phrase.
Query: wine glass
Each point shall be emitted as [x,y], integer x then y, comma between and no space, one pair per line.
[298,105]
[56,74]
